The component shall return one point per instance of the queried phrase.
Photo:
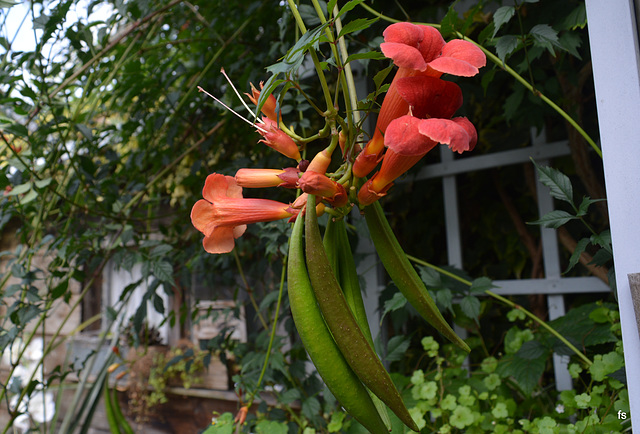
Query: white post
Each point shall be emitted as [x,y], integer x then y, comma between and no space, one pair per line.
[614,50]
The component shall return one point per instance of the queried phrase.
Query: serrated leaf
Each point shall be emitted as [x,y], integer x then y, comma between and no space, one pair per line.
[584,205]
[554,219]
[449,22]
[502,16]
[311,407]
[577,18]
[557,182]
[397,348]
[470,306]
[532,350]
[506,45]
[601,257]
[575,256]
[525,372]
[603,239]
[481,285]
[356,25]
[163,271]
[570,42]
[444,298]
[430,277]
[545,36]
[398,301]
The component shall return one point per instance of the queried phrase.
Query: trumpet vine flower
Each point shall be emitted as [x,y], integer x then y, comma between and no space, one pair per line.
[261,178]
[223,214]
[277,139]
[319,184]
[417,50]
[432,103]
[269,107]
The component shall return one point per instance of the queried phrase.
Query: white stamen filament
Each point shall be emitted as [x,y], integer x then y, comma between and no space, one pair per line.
[232,111]
[240,97]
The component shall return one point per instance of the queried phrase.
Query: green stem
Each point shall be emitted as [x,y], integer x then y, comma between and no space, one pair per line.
[314,57]
[495,59]
[508,302]
[273,334]
[249,290]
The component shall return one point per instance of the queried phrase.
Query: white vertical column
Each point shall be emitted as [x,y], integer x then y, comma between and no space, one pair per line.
[613,39]
[551,261]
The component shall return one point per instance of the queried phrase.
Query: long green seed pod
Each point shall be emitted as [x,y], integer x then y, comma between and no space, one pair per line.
[347,334]
[350,284]
[317,340]
[404,275]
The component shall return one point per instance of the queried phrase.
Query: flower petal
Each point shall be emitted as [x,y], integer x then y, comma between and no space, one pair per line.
[447,132]
[202,215]
[471,130]
[432,43]
[222,239]
[218,185]
[404,137]
[461,58]
[404,56]
[404,33]
[430,97]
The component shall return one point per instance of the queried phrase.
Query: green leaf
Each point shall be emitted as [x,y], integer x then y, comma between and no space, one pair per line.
[470,306]
[356,25]
[584,205]
[163,271]
[532,350]
[545,36]
[397,348]
[557,182]
[348,6]
[29,197]
[525,372]
[375,55]
[444,298]
[506,45]
[379,78]
[603,239]
[85,131]
[606,364]
[60,289]
[577,18]
[20,189]
[554,219]
[502,16]
[575,256]
[602,257]
[17,129]
[310,407]
[449,22]
[430,277]
[481,285]
[398,301]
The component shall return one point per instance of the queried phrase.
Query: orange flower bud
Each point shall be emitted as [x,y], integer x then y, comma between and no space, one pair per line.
[269,107]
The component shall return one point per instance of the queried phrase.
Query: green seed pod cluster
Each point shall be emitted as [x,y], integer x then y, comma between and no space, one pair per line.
[330,332]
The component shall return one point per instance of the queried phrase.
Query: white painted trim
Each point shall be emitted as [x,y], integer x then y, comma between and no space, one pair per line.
[614,52]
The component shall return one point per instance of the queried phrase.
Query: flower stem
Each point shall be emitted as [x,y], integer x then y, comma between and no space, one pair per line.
[508,302]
